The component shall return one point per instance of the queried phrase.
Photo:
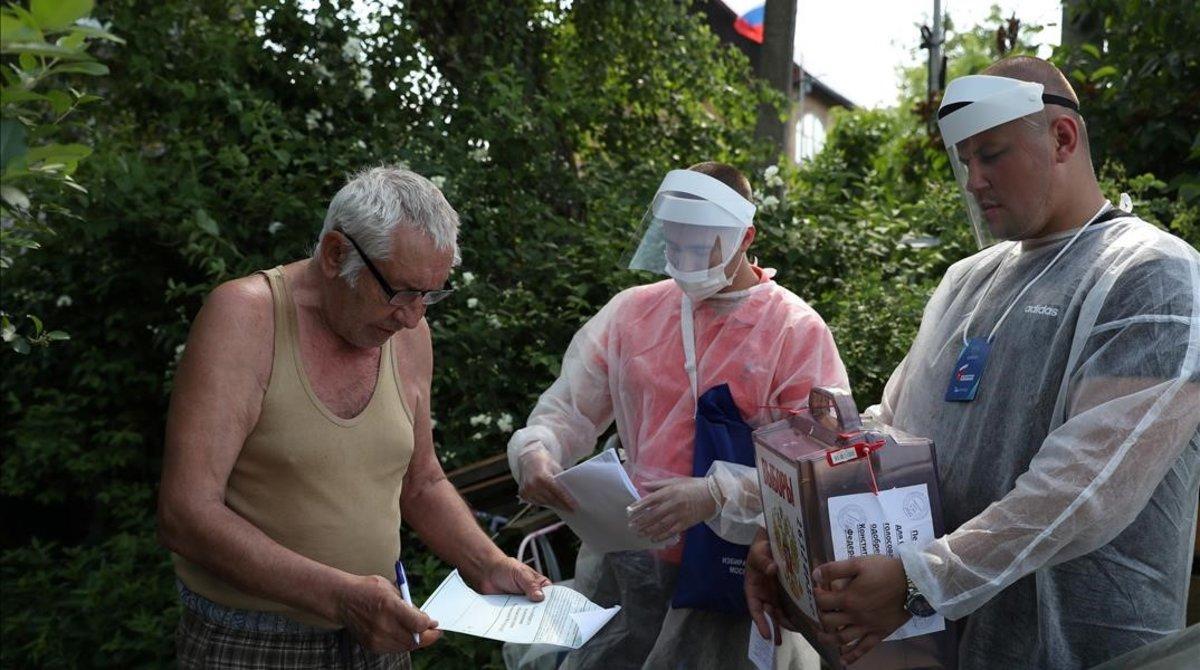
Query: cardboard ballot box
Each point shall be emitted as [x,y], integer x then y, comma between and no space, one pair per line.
[833,489]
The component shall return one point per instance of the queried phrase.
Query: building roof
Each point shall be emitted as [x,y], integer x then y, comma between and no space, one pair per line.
[819,88]
[720,21]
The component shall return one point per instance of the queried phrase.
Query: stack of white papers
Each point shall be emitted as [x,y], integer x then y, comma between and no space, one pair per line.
[565,618]
[603,493]
[866,524]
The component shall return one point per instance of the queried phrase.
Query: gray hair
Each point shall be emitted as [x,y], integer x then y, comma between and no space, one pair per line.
[375,201]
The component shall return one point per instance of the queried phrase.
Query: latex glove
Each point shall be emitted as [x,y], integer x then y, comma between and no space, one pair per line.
[537,482]
[673,506]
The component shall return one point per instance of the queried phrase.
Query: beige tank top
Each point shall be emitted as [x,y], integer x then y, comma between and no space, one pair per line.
[325,487]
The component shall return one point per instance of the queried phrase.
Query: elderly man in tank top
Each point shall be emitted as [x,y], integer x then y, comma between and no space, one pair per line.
[298,437]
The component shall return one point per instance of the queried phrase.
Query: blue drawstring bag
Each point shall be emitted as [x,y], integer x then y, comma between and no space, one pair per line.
[712,570]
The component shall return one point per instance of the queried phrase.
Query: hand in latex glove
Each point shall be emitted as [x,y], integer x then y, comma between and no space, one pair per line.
[674,506]
[537,481]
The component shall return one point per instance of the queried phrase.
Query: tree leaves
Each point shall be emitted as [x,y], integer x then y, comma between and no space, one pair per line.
[66,155]
[36,109]
[93,69]
[58,14]
[1137,88]
[12,142]
[206,223]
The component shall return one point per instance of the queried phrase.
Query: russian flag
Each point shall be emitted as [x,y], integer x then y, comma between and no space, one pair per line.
[749,23]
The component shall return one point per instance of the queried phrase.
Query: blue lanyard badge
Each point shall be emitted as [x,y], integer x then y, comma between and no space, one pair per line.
[968,370]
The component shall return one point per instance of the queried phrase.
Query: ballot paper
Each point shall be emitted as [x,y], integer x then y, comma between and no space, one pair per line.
[762,650]
[602,492]
[565,618]
[865,524]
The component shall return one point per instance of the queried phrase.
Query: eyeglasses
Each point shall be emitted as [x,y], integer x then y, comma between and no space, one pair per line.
[397,298]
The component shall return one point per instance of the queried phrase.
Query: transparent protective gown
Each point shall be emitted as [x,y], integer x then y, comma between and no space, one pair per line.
[627,364]
[1072,478]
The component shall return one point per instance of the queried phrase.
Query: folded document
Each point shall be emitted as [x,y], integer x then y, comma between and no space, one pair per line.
[565,618]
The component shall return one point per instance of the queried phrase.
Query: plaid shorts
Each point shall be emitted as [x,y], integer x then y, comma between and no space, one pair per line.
[201,643]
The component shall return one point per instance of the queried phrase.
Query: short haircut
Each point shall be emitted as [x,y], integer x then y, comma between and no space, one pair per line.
[1052,79]
[726,174]
[1029,68]
[377,201]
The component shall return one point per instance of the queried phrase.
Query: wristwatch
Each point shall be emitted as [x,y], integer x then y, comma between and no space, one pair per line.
[915,603]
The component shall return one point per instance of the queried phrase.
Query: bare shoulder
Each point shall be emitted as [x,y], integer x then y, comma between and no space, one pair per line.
[219,386]
[235,327]
[413,352]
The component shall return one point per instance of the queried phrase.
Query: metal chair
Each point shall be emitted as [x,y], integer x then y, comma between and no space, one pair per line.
[541,553]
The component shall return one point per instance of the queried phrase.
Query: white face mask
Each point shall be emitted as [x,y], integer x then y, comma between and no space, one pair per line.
[700,284]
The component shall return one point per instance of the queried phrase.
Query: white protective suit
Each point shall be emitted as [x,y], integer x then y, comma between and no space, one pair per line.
[1070,482]
[627,364]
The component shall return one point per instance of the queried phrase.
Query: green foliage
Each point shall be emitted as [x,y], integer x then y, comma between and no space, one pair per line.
[1138,89]
[1153,200]
[43,50]
[846,239]
[225,129]
[109,604]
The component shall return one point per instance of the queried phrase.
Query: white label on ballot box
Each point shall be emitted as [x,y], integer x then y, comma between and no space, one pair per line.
[865,524]
[785,527]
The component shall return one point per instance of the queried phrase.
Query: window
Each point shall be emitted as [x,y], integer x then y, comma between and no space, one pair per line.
[810,137]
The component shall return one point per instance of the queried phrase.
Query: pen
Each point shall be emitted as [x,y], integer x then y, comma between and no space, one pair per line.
[402,584]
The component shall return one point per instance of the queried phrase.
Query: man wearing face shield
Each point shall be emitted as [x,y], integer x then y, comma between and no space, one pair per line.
[1058,373]
[642,362]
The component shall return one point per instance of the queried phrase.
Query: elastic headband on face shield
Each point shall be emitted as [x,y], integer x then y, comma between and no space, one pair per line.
[693,212]
[1047,98]
[708,189]
[976,103]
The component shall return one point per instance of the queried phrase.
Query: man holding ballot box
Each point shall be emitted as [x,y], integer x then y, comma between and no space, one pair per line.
[1058,373]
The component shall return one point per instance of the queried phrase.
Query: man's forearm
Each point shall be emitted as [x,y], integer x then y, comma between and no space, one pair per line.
[445,524]
[237,552]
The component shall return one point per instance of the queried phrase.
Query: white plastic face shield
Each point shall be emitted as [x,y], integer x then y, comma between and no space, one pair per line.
[693,227]
[970,118]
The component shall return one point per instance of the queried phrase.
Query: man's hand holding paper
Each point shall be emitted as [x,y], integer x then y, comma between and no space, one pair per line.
[512,576]
[563,617]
